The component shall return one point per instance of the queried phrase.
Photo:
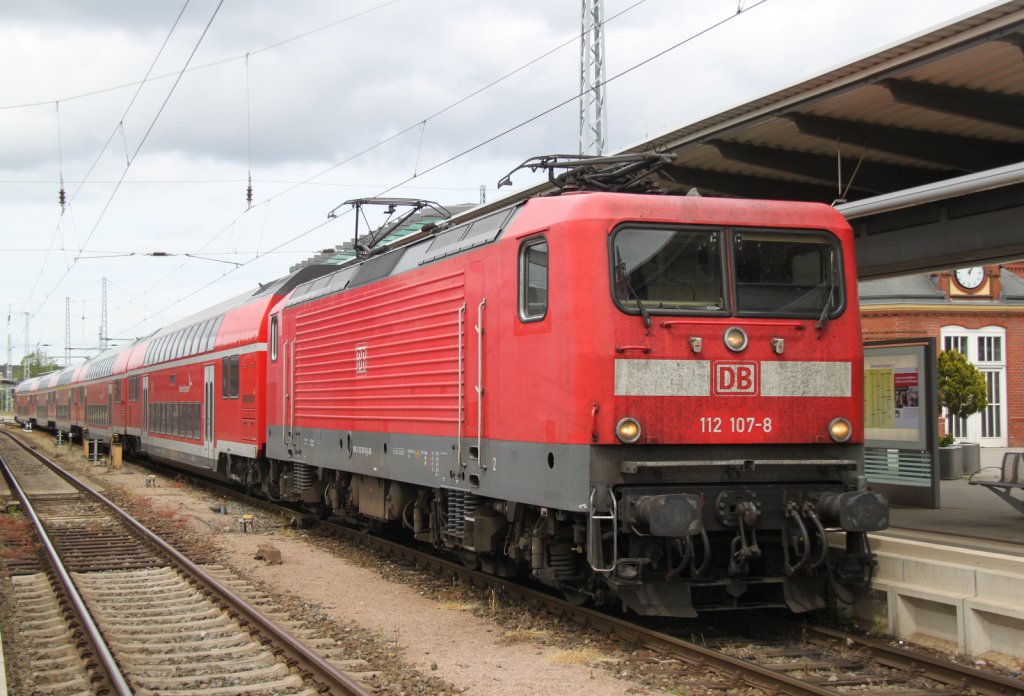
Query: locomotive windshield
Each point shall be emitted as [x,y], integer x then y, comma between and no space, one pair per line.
[669,269]
[682,270]
[793,275]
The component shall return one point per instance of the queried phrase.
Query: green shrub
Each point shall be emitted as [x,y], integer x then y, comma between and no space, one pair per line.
[962,388]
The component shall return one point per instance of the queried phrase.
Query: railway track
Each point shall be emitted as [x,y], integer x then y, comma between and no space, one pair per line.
[780,656]
[119,611]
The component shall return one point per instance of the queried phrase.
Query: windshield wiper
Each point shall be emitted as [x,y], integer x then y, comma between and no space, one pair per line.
[823,317]
[620,268]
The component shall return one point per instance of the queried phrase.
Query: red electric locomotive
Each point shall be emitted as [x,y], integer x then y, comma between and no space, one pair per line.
[652,398]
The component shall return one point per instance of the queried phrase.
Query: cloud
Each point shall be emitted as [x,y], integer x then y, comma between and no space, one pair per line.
[354,76]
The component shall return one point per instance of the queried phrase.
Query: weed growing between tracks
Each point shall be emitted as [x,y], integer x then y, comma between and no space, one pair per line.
[167,523]
[18,544]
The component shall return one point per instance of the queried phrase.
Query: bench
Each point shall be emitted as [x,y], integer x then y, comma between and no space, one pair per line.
[1011,478]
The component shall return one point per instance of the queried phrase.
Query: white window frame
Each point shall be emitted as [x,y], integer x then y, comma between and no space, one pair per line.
[994,417]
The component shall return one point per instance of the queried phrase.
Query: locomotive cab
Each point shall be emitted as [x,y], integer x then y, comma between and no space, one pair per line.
[738,417]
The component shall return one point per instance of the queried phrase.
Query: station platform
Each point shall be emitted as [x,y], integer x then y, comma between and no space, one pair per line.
[968,517]
[953,577]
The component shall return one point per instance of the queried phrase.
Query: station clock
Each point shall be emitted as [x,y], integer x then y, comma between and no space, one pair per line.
[970,278]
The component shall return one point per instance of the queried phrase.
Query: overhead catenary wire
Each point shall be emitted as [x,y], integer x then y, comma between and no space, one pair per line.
[446,161]
[214,64]
[120,126]
[140,84]
[142,142]
[399,133]
[477,146]
[573,98]
[386,140]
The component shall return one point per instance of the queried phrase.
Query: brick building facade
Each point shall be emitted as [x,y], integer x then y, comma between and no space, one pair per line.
[978,311]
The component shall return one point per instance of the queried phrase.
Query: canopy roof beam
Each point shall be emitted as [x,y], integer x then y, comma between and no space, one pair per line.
[977,105]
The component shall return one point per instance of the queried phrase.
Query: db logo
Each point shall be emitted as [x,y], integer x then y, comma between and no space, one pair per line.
[361,359]
[733,378]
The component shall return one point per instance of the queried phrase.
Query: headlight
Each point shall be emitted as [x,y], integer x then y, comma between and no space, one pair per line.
[628,430]
[840,430]
[735,339]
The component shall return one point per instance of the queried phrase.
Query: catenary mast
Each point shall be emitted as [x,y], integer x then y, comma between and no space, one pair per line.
[593,110]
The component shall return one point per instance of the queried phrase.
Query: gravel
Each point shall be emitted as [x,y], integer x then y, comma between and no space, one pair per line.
[420,632]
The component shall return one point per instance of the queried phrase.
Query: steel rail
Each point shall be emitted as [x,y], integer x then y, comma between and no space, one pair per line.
[958,676]
[952,674]
[101,650]
[962,676]
[754,675]
[339,683]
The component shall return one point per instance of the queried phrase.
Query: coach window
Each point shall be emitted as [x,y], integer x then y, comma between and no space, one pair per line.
[533,279]
[229,377]
[190,340]
[210,333]
[273,337]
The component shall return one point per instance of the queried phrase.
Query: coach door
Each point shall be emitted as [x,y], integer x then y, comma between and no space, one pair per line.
[145,406]
[208,402]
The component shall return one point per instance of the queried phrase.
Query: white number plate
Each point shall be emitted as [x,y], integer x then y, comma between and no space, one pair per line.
[735,424]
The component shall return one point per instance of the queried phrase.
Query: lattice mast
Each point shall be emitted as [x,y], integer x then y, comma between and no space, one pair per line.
[103,317]
[593,110]
[8,369]
[67,331]
[24,359]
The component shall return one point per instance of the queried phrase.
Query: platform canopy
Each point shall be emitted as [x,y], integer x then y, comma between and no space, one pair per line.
[925,132]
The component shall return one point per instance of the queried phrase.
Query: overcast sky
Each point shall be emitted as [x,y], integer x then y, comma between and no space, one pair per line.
[323,102]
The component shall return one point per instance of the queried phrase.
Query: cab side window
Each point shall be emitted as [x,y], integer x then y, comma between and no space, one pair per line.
[533,279]
[273,337]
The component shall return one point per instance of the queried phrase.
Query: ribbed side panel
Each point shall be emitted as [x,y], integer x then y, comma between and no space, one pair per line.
[382,355]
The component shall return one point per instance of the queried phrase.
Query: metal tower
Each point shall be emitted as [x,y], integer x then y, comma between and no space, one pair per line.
[103,317]
[593,111]
[8,369]
[67,331]
[24,358]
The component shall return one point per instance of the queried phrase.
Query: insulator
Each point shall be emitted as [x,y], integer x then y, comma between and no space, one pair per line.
[248,195]
[62,197]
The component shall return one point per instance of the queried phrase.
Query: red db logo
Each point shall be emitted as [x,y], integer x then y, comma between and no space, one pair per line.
[733,378]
